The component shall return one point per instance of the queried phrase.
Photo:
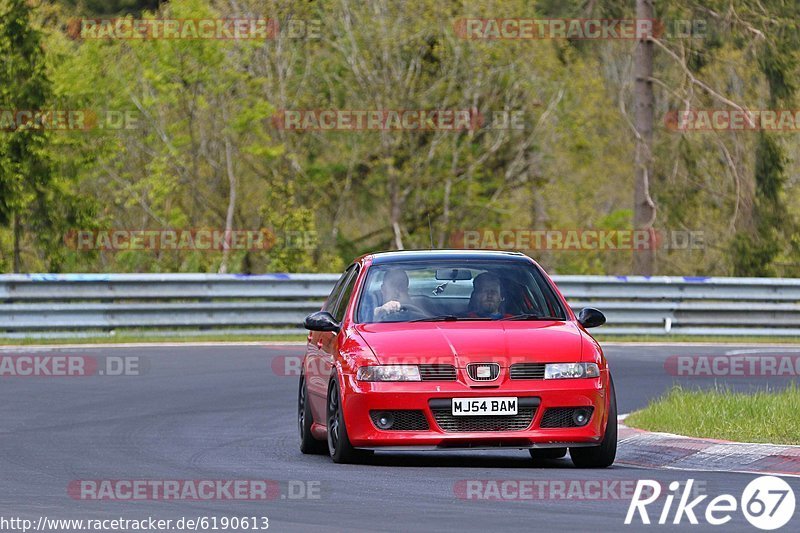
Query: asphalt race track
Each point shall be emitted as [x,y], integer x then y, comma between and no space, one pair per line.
[228,413]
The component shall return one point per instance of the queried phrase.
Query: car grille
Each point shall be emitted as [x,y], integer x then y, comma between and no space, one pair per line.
[561,417]
[404,420]
[456,424]
[527,371]
[494,371]
[437,372]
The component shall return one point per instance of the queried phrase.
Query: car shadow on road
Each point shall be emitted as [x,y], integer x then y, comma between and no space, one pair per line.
[463,460]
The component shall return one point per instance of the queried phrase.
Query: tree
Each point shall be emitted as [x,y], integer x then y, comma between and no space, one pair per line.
[25,172]
[644,210]
[756,248]
[205,152]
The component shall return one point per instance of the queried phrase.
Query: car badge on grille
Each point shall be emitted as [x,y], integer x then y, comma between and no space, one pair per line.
[483,371]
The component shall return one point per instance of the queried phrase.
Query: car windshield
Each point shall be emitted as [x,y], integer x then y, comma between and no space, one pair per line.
[451,290]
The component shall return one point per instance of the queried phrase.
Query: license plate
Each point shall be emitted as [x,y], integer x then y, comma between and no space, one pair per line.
[484,406]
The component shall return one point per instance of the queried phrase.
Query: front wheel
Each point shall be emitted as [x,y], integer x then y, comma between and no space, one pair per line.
[339,447]
[603,455]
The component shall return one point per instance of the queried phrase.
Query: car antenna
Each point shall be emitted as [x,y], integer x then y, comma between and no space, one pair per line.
[430,228]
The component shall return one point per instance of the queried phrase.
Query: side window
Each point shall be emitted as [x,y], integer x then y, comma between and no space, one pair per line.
[349,285]
[333,298]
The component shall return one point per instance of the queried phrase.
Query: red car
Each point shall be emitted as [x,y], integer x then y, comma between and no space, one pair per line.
[450,349]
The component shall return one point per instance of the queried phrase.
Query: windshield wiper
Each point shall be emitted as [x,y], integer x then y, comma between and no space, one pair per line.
[447,318]
[531,316]
[439,318]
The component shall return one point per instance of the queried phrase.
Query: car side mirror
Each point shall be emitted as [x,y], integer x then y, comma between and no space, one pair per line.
[589,317]
[321,321]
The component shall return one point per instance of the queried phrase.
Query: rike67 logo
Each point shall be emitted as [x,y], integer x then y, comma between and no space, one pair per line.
[767,502]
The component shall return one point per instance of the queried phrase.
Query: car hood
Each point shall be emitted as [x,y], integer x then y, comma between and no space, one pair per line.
[460,343]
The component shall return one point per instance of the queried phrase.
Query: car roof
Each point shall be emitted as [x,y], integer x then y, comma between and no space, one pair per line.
[421,255]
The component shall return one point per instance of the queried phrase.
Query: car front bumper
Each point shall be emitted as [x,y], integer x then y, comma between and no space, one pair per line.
[362,397]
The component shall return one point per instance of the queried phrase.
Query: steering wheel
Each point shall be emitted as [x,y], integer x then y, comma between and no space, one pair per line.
[413,309]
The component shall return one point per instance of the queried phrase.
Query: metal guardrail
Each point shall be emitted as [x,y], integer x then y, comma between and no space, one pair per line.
[75,305]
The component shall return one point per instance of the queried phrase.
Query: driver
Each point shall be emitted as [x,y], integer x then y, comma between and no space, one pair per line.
[394,291]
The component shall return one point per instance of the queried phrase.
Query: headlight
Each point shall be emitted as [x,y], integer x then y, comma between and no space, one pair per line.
[388,373]
[571,370]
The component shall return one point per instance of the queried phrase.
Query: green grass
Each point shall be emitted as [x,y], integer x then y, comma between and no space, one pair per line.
[765,416]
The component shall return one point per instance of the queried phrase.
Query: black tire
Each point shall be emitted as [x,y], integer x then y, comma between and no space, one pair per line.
[339,447]
[308,444]
[601,456]
[547,453]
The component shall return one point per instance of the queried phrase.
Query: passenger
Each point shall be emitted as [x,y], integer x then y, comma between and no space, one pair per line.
[486,297]
[394,291]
